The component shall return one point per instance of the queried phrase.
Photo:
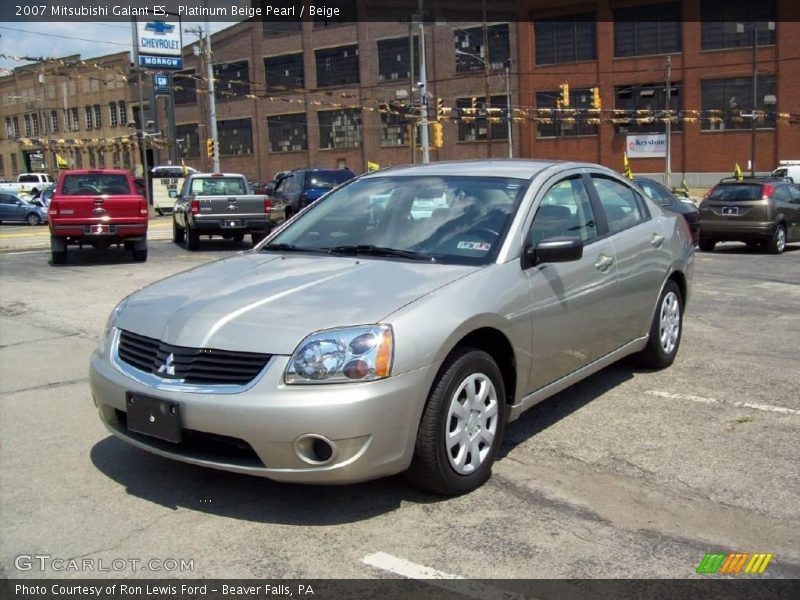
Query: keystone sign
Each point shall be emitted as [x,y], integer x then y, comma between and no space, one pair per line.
[159,44]
[647,146]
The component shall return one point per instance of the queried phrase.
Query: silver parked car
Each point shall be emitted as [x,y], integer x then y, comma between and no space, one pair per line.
[398,324]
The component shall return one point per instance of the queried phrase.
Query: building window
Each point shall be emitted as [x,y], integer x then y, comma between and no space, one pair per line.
[74,123]
[92,160]
[472,124]
[558,124]
[185,87]
[123,114]
[78,159]
[87,110]
[470,52]
[232,80]
[287,133]
[337,66]
[98,117]
[280,27]
[112,114]
[718,23]
[101,159]
[651,101]
[394,129]
[188,138]
[35,123]
[54,121]
[16,127]
[566,39]
[235,136]
[126,159]
[393,60]
[347,14]
[116,158]
[285,72]
[645,30]
[339,129]
[27,121]
[724,101]
[10,129]
[2,166]
[14,164]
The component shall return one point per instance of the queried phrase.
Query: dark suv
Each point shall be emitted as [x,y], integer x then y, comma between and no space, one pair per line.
[294,190]
[762,212]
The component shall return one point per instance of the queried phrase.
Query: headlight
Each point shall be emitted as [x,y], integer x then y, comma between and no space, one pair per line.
[343,355]
[114,316]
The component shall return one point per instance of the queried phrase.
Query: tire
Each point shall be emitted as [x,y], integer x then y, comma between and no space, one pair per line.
[237,237]
[460,468]
[58,250]
[778,242]
[139,255]
[665,330]
[33,219]
[192,239]
[178,233]
[257,236]
[707,245]
[59,258]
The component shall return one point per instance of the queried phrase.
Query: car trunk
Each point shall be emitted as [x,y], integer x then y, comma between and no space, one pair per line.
[97,209]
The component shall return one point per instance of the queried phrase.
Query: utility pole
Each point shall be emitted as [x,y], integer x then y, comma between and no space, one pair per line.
[412,75]
[753,105]
[423,87]
[508,108]
[142,133]
[212,102]
[668,161]
[488,97]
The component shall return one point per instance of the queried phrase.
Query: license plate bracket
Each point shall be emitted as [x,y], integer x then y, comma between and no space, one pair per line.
[154,417]
[730,211]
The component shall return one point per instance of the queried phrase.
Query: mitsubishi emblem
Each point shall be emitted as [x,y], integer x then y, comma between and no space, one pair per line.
[168,368]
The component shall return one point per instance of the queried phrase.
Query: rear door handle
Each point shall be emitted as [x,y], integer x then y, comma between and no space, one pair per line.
[657,240]
[603,263]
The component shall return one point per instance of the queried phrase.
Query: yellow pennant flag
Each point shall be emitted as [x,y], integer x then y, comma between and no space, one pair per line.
[627,167]
[61,162]
[737,172]
[184,170]
[371,166]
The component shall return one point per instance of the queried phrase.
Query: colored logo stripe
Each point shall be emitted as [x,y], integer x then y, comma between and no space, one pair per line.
[732,564]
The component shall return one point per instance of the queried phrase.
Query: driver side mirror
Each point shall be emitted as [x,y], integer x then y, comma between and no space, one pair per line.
[553,250]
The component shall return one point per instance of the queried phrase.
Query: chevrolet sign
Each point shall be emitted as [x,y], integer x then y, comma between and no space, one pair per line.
[159,44]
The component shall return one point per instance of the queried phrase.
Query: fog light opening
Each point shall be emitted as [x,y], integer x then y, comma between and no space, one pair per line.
[315,449]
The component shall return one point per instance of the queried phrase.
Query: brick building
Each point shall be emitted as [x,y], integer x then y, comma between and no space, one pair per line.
[69,108]
[621,46]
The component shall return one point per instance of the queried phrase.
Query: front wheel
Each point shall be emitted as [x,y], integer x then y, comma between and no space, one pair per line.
[665,330]
[33,219]
[707,245]
[462,426]
[778,242]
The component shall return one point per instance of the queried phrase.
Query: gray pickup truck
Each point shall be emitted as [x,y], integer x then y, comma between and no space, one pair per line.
[219,204]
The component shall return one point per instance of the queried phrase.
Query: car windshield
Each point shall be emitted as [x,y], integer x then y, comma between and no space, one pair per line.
[736,193]
[218,186]
[450,219]
[326,180]
[92,184]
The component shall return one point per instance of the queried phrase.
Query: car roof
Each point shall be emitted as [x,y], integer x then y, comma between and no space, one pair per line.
[515,168]
[95,172]
[752,181]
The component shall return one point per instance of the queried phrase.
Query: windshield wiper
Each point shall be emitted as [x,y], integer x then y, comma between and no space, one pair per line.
[380,251]
[290,248]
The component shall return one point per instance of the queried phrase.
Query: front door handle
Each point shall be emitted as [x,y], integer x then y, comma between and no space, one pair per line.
[657,240]
[603,263]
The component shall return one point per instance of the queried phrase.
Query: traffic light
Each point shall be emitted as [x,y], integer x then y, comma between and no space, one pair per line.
[564,94]
[212,148]
[597,104]
[438,135]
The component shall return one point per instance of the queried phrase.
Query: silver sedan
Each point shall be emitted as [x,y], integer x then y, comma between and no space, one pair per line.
[398,324]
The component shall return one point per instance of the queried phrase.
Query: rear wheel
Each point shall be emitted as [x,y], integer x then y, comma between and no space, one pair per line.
[707,245]
[58,251]
[178,233]
[237,237]
[778,242]
[665,330]
[139,251]
[462,426]
[192,239]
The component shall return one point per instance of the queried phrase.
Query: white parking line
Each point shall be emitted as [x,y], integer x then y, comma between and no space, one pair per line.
[704,400]
[453,583]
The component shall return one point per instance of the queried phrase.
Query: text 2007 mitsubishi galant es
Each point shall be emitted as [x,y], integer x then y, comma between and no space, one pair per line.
[398,324]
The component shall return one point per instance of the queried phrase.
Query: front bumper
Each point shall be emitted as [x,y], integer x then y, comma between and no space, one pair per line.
[372,425]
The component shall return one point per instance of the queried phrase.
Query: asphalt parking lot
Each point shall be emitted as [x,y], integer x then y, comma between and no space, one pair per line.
[627,474]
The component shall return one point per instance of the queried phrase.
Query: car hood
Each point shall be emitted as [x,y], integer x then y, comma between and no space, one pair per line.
[268,302]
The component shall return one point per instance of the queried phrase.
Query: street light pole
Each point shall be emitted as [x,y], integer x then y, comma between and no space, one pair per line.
[508,109]
[212,101]
[488,97]
[753,105]
[668,161]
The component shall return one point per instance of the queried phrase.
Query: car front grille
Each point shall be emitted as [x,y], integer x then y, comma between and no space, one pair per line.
[190,365]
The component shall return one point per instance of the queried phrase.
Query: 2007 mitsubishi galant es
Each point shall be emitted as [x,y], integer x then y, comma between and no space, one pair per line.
[398,324]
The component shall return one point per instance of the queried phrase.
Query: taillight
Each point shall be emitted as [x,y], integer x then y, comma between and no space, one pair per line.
[195,206]
[267,205]
[766,192]
[142,206]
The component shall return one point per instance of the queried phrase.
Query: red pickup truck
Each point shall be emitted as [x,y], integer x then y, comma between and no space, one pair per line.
[98,207]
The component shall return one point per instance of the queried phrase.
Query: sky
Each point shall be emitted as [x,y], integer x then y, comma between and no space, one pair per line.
[53,40]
